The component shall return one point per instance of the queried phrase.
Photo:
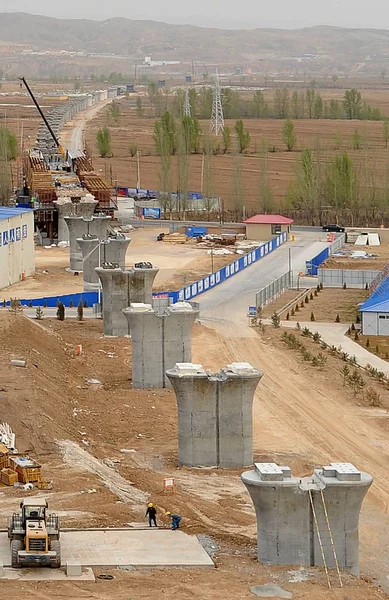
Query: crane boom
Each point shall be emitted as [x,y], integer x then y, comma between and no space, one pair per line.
[60,149]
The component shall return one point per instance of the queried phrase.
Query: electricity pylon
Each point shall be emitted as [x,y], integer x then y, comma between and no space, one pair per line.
[217,119]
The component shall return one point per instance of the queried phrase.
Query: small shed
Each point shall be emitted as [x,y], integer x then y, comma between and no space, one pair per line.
[265,227]
[375,311]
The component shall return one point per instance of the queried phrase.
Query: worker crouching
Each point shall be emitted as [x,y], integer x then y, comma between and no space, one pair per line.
[176,520]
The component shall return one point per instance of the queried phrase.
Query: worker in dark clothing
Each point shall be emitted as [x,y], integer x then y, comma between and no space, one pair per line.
[176,520]
[151,512]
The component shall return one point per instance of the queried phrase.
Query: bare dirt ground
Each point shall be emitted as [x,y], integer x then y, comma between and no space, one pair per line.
[179,264]
[374,263]
[329,303]
[102,419]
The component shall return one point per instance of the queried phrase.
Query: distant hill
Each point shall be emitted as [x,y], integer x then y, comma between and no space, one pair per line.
[184,42]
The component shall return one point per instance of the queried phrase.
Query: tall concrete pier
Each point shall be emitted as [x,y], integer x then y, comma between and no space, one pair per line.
[159,341]
[292,513]
[215,425]
[85,208]
[78,227]
[120,289]
[96,253]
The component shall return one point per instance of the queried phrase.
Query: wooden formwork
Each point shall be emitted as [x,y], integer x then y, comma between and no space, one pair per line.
[8,476]
[98,187]
[39,179]
[83,164]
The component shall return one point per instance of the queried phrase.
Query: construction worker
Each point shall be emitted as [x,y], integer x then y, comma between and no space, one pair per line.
[176,520]
[151,512]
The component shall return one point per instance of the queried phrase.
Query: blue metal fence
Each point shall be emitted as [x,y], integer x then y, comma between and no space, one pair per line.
[187,293]
[211,281]
[314,264]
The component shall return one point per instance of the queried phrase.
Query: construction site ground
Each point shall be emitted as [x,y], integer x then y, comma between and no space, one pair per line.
[374,263]
[179,264]
[299,421]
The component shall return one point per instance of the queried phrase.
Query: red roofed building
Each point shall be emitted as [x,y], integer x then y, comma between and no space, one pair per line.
[265,227]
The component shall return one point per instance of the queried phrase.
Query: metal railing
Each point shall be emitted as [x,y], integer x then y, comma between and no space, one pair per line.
[274,289]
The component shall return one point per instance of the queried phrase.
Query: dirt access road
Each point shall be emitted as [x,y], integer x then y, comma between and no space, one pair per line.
[72,135]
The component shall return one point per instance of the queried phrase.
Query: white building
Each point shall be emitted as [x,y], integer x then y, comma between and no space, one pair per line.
[17,252]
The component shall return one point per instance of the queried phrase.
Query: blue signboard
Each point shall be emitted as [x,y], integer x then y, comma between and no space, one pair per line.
[152,213]
[12,235]
[5,238]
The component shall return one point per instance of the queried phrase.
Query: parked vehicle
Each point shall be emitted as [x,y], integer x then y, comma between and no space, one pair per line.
[334,228]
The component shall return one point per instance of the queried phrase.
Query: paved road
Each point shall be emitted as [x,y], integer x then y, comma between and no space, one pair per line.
[229,302]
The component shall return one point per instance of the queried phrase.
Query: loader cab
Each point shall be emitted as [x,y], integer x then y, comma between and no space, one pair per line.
[33,509]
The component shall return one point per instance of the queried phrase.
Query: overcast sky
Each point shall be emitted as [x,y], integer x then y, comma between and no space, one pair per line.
[222,13]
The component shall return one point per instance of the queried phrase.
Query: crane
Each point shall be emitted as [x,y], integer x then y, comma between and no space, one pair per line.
[59,147]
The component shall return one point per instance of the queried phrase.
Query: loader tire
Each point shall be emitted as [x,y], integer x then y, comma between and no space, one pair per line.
[56,547]
[16,546]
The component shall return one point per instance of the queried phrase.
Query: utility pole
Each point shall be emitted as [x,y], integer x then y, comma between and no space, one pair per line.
[202,174]
[138,170]
[217,119]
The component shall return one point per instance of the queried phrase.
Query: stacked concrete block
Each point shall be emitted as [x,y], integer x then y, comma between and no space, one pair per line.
[159,341]
[120,289]
[85,208]
[97,225]
[215,425]
[95,253]
[293,512]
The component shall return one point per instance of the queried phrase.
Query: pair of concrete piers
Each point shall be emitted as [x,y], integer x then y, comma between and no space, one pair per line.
[310,521]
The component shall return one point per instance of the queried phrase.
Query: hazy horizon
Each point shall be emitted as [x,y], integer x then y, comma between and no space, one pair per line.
[246,14]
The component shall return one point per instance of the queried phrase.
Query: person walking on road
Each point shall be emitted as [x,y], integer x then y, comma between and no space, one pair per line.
[151,512]
[176,520]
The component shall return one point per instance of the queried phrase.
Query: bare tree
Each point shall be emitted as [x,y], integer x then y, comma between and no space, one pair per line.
[236,184]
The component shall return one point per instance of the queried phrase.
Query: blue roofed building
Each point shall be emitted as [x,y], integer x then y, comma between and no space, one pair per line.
[375,311]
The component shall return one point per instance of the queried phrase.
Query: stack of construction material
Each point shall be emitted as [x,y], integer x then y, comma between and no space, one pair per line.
[27,469]
[177,238]
[4,452]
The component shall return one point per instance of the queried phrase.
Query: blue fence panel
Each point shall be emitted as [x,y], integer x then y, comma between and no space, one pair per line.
[211,281]
[314,264]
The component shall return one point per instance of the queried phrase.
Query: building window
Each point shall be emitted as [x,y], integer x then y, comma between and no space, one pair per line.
[275,229]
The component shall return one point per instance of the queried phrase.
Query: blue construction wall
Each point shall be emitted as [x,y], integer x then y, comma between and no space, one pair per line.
[211,281]
[186,293]
[314,264]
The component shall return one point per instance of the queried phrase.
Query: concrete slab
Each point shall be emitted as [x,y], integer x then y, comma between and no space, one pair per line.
[269,590]
[46,575]
[150,548]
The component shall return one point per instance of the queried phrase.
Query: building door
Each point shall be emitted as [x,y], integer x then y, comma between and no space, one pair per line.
[383,324]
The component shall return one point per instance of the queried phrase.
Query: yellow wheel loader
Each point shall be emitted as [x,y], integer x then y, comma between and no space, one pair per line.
[34,535]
